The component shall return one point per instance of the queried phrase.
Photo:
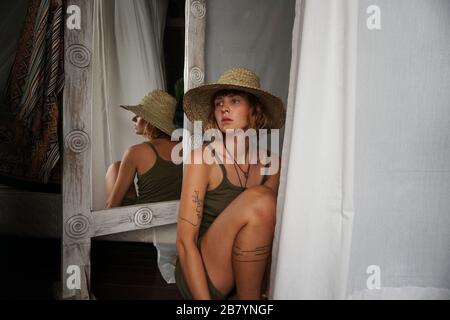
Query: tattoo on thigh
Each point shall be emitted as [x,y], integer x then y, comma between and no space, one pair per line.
[252,255]
[198,209]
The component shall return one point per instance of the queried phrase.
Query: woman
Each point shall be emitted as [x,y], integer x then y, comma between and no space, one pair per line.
[227,210]
[158,178]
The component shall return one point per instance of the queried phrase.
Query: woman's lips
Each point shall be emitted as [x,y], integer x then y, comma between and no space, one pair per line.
[226,120]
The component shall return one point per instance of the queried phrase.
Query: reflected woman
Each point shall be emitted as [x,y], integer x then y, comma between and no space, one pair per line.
[227,209]
[158,178]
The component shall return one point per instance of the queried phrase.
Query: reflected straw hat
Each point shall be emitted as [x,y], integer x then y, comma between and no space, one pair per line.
[158,109]
[197,102]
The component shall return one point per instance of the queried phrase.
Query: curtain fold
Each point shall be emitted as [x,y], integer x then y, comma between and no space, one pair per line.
[364,211]
[314,223]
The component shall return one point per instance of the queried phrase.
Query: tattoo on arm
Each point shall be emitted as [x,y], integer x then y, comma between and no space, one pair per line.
[198,209]
[253,255]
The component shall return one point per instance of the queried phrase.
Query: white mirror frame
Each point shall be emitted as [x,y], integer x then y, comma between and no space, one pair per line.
[80,223]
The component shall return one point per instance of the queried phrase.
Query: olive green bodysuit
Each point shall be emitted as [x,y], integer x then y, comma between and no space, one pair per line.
[215,202]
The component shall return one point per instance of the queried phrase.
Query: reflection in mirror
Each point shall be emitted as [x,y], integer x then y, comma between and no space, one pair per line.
[158,178]
[129,63]
[138,60]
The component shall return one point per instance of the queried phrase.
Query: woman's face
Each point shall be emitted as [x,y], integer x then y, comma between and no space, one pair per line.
[139,124]
[232,111]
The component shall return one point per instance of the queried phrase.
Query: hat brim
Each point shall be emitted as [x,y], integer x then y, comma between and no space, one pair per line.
[164,126]
[197,103]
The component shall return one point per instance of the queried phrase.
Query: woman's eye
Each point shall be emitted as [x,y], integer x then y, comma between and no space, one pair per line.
[218,103]
[235,101]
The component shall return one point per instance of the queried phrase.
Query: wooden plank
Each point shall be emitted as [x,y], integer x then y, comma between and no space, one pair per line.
[131,218]
[76,165]
[194,56]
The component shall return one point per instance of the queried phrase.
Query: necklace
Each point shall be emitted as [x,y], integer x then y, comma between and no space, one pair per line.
[246,173]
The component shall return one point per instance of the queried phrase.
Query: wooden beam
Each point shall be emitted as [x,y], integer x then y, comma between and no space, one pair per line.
[194,56]
[132,218]
[76,189]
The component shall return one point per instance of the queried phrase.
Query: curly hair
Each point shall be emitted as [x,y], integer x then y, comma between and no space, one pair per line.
[152,132]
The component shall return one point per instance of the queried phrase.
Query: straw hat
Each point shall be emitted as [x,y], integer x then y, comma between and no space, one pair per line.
[197,102]
[158,109]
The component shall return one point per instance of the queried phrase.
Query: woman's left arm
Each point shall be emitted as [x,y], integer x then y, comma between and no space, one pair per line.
[274,180]
[273,183]
[125,178]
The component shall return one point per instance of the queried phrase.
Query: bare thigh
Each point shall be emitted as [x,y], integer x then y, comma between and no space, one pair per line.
[217,243]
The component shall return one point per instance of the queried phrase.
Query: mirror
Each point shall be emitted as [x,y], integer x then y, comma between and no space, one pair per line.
[137,47]
[117,53]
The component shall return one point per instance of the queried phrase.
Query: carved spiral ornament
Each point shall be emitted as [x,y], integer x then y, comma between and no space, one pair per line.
[77,141]
[143,217]
[77,226]
[196,75]
[198,9]
[79,55]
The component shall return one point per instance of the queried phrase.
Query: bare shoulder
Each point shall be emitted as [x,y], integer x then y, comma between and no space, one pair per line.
[137,148]
[140,150]
[196,158]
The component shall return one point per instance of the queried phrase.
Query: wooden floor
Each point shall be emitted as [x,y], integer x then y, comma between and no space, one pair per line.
[30,269]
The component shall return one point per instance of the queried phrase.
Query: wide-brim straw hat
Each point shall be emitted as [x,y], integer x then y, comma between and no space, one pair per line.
[157,108]
[198,102]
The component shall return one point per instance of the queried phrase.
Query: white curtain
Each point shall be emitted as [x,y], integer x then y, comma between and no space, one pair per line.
[402,158]
[364,212]
[314,220]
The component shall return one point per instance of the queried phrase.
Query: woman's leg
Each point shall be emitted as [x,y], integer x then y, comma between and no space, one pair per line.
[110,180]
[237,246]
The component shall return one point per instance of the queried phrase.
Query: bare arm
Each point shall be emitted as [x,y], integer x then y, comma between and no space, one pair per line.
[125,178]
[195,181]
[274,180]
[273,183]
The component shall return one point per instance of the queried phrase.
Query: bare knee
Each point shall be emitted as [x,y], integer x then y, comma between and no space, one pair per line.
[263,208]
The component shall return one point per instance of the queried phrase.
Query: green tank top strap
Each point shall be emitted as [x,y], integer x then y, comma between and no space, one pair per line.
[224,171]
[222,167]
[220,163]
[153,147]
